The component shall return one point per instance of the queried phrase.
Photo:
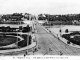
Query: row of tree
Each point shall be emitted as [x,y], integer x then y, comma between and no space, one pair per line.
[21,29]
[17,17]
[68,17]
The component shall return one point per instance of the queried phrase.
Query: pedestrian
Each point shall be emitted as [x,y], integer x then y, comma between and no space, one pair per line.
[35,50]
[50,49]
[25,53]
[39,47]
[61,53]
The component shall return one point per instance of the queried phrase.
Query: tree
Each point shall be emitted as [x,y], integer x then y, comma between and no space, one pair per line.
[8,29]
[66,31]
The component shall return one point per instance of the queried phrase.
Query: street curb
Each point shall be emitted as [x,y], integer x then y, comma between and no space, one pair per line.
[45,29]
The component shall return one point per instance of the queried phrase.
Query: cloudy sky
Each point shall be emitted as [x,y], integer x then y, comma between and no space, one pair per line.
[40,6]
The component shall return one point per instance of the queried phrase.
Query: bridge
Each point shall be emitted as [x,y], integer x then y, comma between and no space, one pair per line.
[48,44]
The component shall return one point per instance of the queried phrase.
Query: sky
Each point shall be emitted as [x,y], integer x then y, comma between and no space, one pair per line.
[40,6]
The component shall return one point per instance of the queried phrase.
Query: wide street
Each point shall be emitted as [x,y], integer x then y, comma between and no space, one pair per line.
[48,44]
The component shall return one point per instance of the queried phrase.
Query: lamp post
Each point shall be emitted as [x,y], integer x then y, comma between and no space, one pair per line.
[27,42]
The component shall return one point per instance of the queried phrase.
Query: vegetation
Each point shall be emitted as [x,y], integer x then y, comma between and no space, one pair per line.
[14,16]
[26,41]
[20,29]
[75,39]
[7,40]
[68,19]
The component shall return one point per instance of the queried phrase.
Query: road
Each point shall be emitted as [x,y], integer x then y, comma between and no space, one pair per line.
[48,44]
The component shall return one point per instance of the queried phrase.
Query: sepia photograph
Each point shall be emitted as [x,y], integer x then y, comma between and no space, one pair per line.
[40,29]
